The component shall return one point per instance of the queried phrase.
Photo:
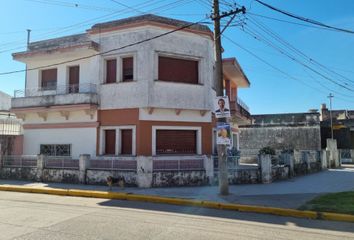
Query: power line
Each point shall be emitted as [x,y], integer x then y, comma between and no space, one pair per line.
[109,51]
[305,19]
[162,8]
[72,5]
[282,51]
[276,68]
[268,64]
[290,22]
[296,50]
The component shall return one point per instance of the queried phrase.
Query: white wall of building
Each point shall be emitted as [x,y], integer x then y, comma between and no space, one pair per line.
[145,91]
[171,115]
[88,73]
[82,140]
[56,117]
[5,101]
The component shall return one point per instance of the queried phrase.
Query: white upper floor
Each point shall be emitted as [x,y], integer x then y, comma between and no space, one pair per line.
[123,64]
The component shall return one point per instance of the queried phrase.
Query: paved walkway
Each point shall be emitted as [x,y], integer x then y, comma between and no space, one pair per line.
[285,194]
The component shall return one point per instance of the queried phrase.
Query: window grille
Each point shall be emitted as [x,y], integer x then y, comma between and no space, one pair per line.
[55,149]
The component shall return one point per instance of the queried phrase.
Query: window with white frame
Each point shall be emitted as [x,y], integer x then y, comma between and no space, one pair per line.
[49,79]
[118,140]
[127,68]
[120,69]
[177,69]
[111,70]
[176,140]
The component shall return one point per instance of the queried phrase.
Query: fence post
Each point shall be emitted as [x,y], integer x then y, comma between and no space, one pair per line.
[265,162]
[209,168]
[84,161]
[1,158]
[40,167]
[308,161]
[334,154]
[290,159]
[144,171]
[324,159]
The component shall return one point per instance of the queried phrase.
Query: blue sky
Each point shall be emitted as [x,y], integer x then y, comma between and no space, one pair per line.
[271,91]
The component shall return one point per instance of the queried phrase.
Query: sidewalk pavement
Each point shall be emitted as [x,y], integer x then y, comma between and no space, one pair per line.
[283,194]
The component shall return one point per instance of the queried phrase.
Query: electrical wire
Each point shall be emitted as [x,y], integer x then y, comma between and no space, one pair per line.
[278,69]
[160,9]
[105,52]
[290,22]
[297,51]
[258,36]
[304,19]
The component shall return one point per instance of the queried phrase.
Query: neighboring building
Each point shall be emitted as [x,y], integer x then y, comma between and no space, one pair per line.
[10,128]
[153,98]
[296,131]
[5,102]
[343,127]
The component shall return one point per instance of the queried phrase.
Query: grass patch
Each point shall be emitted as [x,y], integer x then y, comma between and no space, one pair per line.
[342,202]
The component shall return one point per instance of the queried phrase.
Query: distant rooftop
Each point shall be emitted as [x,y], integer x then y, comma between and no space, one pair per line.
[286,119]
[5,101]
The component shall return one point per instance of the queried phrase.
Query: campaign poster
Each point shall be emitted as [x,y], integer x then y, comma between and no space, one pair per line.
[222,107]
[224,136]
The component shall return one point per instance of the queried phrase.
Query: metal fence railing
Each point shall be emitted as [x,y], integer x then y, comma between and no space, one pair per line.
[345,156]
[233,162]
[23,161]
[113,164]
[57,90]
[10,126]
[178,165]
[61,162]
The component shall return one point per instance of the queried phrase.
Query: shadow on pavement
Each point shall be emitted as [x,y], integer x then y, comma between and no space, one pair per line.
[232,215]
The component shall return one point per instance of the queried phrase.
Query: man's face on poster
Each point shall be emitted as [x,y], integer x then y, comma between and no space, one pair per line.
[221,104]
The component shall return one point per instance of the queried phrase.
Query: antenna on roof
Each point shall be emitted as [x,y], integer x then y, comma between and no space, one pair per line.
[28,37]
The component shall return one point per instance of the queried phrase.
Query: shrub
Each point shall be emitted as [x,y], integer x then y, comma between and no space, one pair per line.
[267,151]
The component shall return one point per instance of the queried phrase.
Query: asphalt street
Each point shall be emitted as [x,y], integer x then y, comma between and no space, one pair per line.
[40,216]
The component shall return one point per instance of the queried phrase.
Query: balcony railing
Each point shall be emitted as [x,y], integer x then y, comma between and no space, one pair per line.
[61,95]
[58,90]
[239,108]
[242,104]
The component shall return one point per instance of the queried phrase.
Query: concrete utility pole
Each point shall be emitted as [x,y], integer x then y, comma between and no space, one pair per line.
[222,149]
[330,96]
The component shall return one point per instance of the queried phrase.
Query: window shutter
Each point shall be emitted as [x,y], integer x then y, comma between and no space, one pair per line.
[178,70]
[128,69]
[111,71]
[110,142]
[127,139]
[176,142]
[49,79]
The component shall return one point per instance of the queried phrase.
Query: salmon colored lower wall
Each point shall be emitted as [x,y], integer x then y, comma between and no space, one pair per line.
[18,145]
[144,135]
[118,117]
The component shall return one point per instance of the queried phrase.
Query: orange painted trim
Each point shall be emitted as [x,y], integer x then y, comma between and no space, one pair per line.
[231,60]
[54,108]
[61,125]
[145,23]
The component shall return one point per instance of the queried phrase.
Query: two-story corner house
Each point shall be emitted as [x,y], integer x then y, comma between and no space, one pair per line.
[90,94]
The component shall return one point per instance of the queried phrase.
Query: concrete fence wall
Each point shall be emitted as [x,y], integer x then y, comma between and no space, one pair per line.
[162,171]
